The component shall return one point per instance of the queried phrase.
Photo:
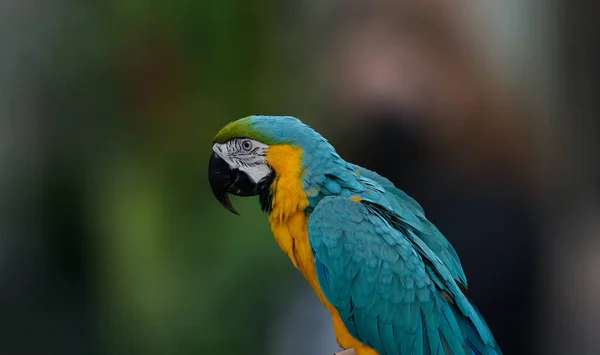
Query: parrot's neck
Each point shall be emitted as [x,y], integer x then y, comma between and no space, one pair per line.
[295,192]
[288,203]
[287,194]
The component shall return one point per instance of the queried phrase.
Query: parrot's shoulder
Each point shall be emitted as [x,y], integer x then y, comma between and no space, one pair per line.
[392,192]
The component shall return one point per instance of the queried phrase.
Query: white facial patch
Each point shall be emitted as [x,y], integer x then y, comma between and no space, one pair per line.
[246,155]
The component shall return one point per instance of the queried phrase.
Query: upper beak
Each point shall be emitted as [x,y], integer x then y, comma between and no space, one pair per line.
[222,180]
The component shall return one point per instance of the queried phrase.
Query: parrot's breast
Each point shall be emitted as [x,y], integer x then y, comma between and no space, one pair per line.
[289,223]
[291,233]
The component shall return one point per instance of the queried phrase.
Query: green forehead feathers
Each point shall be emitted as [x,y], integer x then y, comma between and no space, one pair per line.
[242,128]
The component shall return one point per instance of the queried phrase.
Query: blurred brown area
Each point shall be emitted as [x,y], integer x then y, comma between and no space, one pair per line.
[426,113]
[110,241]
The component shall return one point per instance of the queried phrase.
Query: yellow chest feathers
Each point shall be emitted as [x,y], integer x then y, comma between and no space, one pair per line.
[289,222]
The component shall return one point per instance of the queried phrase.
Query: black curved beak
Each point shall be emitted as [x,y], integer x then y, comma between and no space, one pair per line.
[224,180]
[220,176]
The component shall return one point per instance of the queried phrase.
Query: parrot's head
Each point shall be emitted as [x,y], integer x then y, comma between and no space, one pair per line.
[250,153]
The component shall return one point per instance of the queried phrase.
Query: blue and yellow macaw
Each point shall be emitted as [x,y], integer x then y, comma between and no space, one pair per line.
[392,282]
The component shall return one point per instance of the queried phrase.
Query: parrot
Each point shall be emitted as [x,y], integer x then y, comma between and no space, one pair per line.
[391,281]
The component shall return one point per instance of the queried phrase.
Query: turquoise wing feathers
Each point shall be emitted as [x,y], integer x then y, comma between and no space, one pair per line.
[392,290]
[413,213]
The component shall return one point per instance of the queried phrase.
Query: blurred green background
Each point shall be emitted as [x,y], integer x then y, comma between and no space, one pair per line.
[151,83]
[111,242]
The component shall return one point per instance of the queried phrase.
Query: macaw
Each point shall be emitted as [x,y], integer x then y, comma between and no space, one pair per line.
[391,281]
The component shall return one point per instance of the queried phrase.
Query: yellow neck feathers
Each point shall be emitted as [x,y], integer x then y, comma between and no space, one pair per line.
[289,223]
[289,194]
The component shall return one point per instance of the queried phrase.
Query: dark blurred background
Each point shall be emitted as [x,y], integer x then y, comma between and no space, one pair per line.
[111,243]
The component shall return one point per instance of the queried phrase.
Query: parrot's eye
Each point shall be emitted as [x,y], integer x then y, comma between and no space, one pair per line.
[246,145]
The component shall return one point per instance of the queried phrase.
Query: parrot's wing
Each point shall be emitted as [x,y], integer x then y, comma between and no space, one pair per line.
[392,292]
[412,211]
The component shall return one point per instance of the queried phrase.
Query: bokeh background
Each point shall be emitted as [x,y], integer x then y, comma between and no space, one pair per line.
[111,243]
